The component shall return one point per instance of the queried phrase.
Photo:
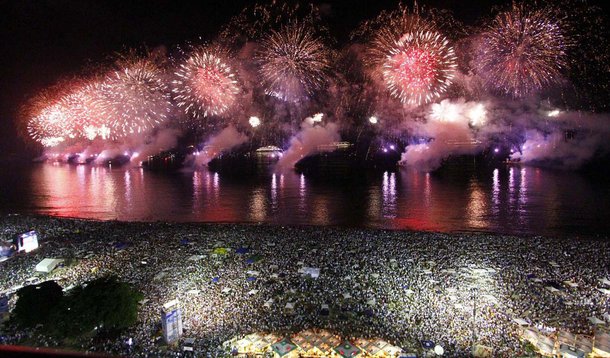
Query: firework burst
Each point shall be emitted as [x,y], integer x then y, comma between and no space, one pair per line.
[416,63]
[85,112]
[522,51]
[419,67]
[49,116]
[134,99]
[206,85]
[48,127]
[293,63]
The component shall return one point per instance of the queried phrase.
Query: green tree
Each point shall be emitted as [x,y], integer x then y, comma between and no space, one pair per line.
[35,303]
[105,303]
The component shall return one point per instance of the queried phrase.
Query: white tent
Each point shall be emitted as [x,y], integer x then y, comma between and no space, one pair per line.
[289,306]
[521,322]
[604,291]
[47,265]
[571,284]
[551,289]
[313,272]
[595,320]
[269,303]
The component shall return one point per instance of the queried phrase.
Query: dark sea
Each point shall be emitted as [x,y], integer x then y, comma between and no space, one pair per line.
[505,199]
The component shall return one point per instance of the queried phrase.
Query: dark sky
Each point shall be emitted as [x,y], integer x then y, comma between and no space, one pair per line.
[43,40]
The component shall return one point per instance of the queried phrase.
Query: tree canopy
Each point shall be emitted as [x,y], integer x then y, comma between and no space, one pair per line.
[104,303]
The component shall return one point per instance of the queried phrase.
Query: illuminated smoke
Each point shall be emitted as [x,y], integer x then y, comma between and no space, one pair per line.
[225,140]
[449,130]
[310,140]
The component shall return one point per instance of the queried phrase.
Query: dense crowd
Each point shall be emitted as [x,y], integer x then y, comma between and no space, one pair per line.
[403,287]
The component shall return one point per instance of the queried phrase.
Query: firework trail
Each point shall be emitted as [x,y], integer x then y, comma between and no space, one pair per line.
[522,51]
[134,98]
[293,63]
[255,22]
[205,85]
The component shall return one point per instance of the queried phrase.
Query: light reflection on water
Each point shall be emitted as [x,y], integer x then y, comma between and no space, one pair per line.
[504,199]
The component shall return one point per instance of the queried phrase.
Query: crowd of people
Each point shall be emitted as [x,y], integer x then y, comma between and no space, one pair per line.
[404,287]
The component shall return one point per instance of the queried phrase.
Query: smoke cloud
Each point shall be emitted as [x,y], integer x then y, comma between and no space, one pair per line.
[448,131]
[576,139]
[223,141]
[537,135]
[308,141]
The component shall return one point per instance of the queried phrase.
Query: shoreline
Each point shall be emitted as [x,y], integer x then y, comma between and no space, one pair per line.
[585,236]
[418,282]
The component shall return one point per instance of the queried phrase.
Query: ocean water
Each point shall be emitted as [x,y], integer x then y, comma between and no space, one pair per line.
[502,199]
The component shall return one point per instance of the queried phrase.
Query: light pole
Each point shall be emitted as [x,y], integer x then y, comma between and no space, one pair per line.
[474,319]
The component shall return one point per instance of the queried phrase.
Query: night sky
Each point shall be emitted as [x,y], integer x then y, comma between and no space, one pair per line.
[43,41]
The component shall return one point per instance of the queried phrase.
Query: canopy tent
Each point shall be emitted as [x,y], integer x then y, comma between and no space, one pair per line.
[268,303]
[347,350]
[313,272]
[47,265]
[521,322]
[284,347]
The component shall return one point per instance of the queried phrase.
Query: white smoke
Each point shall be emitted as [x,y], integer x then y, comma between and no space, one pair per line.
[309,140]
[163,140]
[136,147]
[223,141]
[575,139]
[535,134]
[448,130]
